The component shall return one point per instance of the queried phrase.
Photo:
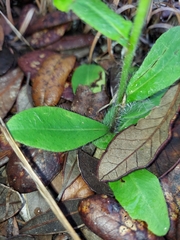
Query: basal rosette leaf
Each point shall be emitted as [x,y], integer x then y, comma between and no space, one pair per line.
[54,129]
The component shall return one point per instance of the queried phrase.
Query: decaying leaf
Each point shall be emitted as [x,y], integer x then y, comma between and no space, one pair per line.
[31,62]
[6,60]
[47,223]
[24,98]
[170,186]
[45,164]
[48,84]
[52,19]
[69,173]
[34,205]
[71,42]
[88,166]
[88,103]
[105,217]
[1,37]
[10,202]
[135,147]
[9,88]
[47,36]
[168,157]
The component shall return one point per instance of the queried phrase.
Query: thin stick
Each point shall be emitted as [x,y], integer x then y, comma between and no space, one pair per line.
[40,186]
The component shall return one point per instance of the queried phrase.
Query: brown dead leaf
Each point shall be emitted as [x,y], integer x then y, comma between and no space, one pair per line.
[106,218]
[10,202]
[72,42]
[50,20]
[88,166]
[88,103]
[31,62]
[46,37]
[136,147]
[168,157]
[9,88]
[48,84]
[78,189]
[45,164]
[1,37]
[171,188]
[6,60]
[47,223]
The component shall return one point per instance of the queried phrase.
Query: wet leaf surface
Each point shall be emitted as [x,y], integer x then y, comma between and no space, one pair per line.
[48,83]
[47,223]
[10,202]
[9,88]
[136,147]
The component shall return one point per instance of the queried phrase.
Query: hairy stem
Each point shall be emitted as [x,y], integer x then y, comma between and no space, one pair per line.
[139,20]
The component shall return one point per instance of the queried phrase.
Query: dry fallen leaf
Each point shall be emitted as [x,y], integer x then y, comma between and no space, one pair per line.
[10,202]
[168,157]
[6,60]
[1,37]
[78,189]
[72,42]
[87,103]
[31,62]
[45,164]
[136,147]
[9,88]
[47,36]
[48,83]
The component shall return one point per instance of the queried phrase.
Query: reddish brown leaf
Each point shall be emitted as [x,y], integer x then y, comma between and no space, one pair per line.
[50,20]
[137,146]
[47,36]
[45,164]
[71,42]
[49,82]
[88,103]
[9,88]
[105,217]
[31,62]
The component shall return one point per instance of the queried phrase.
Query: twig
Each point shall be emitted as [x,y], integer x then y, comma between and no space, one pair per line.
[40,186]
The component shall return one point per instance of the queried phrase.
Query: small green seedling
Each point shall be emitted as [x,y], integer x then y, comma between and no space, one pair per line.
[55,129]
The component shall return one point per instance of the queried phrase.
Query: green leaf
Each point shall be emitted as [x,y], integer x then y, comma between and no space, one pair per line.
[130,115]
[63,5]
[100,17]
[91,75]
[141,196]
[160,68]
[54,129]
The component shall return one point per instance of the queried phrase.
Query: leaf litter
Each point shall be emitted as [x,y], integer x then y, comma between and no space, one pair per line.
[52,21]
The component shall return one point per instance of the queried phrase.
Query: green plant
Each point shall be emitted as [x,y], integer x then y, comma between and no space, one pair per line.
[49,127]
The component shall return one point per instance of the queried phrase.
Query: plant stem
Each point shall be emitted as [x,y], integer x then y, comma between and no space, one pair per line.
[139,20]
